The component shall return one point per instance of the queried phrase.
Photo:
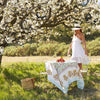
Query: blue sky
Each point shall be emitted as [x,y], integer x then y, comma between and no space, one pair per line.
[99,2]
[91,0]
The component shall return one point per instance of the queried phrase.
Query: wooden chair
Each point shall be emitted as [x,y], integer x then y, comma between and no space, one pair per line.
[84,72]
[43,73]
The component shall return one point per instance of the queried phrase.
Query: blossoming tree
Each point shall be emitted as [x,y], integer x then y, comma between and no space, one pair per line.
[23,20]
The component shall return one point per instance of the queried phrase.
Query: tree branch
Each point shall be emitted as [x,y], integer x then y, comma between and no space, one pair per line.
[4,3]
[71,2]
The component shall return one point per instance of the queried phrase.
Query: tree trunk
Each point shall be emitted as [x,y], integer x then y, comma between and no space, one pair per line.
[0,60]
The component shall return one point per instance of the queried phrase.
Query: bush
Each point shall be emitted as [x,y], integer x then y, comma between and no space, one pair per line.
[41,49]
[23,51]
[33,49]
[10,51]
[26,50]
[49,49]
[93,47]
[62,49]
[52,48]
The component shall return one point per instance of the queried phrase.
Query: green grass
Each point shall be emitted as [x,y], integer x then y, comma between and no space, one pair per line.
[10,84]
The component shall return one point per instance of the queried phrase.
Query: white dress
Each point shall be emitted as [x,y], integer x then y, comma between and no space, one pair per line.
[78,53]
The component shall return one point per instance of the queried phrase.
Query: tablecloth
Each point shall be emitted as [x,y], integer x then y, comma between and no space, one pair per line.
[63,74]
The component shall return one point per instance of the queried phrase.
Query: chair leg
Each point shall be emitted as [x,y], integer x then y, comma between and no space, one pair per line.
[40,77]
[43,73]
[87,77]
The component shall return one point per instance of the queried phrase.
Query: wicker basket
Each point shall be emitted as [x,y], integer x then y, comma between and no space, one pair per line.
[28,83]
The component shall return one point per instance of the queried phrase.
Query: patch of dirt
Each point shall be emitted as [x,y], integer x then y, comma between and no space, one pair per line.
[5,59]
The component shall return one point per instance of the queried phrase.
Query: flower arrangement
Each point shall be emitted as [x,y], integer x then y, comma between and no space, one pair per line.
[61,59]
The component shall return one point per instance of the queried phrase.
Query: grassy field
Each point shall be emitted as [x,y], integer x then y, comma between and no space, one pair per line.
[11,89]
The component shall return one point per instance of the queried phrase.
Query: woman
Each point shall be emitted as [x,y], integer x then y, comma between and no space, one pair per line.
[78,53]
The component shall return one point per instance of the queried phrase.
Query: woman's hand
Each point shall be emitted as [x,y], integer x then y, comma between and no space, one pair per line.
[86,53]
[68,53]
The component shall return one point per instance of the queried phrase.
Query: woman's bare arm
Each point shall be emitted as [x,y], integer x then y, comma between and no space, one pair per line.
[70,47]
[84,44]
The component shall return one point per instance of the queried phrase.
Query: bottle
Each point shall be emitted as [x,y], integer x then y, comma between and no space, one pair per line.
[62,60]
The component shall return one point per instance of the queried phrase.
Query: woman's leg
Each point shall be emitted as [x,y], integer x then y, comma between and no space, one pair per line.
[80,66]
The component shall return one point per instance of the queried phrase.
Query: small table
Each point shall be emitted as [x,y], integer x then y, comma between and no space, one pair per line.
[63,74]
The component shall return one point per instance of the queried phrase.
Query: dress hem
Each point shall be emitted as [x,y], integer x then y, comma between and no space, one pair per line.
[83,60]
